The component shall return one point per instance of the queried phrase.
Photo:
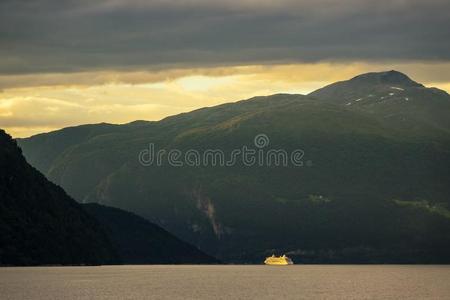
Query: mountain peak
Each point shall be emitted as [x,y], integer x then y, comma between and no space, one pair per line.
[386,77]
[371,86]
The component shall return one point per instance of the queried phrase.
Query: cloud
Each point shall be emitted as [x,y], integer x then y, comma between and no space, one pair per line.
[49,36]
[425,72]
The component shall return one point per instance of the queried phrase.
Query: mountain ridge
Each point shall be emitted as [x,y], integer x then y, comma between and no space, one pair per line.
[363,156]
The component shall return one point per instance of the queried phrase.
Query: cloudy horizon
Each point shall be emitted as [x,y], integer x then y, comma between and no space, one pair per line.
[67,63]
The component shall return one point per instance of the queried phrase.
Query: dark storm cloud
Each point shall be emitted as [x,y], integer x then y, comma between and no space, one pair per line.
[63,36]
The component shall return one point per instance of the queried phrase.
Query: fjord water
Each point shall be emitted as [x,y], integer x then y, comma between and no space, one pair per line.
[227,282]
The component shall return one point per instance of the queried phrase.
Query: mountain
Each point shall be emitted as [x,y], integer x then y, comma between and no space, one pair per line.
[140,242]
[371,184]
[39,223]
[396,100]
[42,225]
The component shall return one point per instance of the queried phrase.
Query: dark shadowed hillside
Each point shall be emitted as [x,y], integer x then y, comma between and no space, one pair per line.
[140,242]
[39,223]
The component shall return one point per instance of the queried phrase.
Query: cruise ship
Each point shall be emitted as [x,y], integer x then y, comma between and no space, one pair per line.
[278,260]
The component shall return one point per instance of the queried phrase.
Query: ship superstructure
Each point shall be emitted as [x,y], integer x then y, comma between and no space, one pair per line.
[278,260]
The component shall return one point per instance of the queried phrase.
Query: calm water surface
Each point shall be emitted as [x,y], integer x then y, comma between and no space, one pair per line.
[227,282]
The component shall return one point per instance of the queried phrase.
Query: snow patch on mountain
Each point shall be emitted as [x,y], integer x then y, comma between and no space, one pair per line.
[397,88]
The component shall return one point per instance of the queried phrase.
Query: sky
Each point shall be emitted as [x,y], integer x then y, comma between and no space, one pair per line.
[65,63]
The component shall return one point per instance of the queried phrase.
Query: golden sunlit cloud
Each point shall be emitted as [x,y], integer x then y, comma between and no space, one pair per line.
[31,104]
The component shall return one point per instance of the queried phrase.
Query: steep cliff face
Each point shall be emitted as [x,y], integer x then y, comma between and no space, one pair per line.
[206,206]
